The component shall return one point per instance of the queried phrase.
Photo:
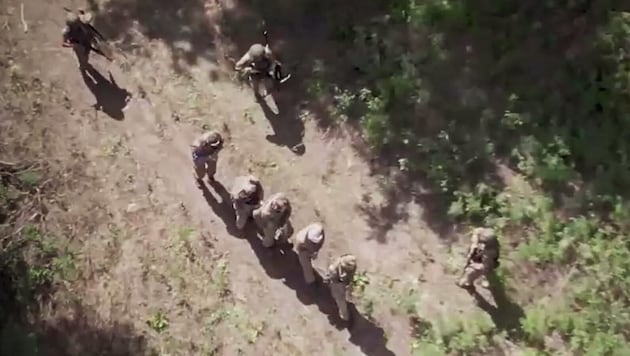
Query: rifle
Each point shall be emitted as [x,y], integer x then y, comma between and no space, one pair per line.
[266,35]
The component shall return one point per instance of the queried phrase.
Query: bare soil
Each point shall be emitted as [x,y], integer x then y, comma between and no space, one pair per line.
[147,240]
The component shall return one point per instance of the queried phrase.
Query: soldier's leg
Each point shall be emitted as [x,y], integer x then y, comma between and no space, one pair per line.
[284,233]
[338,291]
[257,215]
[243,212]
[471,273]
[307,267]
[82,55]
[87,50]
[211,167]
[199,167]
[269,235]
[488,274]
[257,86]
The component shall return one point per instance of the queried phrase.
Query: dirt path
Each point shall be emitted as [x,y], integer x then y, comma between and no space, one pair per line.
[327,182]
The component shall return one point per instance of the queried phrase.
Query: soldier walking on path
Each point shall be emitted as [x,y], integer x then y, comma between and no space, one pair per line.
[339,277]
[308,242]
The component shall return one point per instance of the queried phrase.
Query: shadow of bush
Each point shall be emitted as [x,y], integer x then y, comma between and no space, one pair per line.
[36,316]
[26,328]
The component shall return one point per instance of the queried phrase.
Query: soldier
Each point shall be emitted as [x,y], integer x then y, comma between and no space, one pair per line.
[205,152]
[483,257]
[339,277]
[272,217]
[308,242]
[78,33]
[247,193]
[259,60]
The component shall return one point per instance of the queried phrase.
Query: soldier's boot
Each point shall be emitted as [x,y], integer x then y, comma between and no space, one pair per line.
[307,267]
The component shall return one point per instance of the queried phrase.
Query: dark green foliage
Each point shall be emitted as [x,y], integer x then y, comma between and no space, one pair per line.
[450,88]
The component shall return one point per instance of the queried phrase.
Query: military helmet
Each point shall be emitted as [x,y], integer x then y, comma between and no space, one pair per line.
[487,237]
[315,234]
[71,18]
[485,234]
[279,202]
[85,16]
[249,189]
[256,50]
[214,139]
[348,262]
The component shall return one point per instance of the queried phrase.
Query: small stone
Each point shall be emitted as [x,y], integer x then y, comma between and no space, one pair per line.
[132,208]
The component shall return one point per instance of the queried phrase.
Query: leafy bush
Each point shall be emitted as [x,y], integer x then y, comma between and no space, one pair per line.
[449,87]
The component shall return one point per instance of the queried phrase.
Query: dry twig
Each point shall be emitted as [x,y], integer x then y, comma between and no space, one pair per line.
[7,164]
[24,24]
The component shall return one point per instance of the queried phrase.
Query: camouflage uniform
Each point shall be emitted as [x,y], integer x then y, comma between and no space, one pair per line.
[259,60]
[483,257]
[247,193]
[205,152]
[272,217]
[307,243]
[339,276]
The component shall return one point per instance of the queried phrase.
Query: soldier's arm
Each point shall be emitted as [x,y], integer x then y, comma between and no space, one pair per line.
[260,192]
[234,194]
[490,259]
[65,37]
[349,277]
[331,273]
[244,61]
[200,146]
[286,214]
[474,244]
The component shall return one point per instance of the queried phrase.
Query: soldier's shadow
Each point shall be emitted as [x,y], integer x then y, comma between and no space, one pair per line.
[282,263]
[287,126]
[367,335]
[222,207]
[110,98]
[505,314]
[278,262]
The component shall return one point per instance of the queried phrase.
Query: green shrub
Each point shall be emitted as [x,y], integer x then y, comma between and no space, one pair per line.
[551,104]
